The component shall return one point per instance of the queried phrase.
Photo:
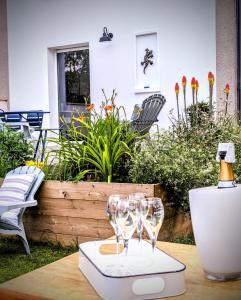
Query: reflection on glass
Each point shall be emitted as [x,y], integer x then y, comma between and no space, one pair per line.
[111,210]
[138,197]
[152,214]
[127,218]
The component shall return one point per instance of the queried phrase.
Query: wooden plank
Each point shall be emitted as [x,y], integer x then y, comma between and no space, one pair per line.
[83,209]
[6,294]
[64,239]
[91,190]
[85,230]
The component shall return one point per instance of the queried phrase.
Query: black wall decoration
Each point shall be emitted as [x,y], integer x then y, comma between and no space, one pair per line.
[147,59]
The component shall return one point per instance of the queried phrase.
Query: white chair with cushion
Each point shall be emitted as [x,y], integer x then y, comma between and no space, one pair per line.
[16,194]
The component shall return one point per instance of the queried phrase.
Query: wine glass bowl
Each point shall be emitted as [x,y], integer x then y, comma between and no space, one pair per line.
[152,214]
[138,197]
[127,218]
[111,210]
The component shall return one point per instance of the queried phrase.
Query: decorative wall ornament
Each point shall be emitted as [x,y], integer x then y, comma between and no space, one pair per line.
[147,59]
[147,79]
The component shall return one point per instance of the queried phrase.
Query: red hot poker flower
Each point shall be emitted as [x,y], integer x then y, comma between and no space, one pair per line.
[193,83]
[227,89]
[211,78]
[184,81]
[197,85]
[177,88]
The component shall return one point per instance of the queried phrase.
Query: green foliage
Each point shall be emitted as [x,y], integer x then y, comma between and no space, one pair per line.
[14,261]
[198,113]
[183,157]
[188,239]
[14,150]
[95,145]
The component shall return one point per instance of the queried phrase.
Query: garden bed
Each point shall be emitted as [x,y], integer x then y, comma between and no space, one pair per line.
[70,213]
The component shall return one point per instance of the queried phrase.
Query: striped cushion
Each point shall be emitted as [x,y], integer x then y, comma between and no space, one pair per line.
[15,188]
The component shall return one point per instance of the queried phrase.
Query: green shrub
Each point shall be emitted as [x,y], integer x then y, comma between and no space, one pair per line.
[14,150]
[184,157]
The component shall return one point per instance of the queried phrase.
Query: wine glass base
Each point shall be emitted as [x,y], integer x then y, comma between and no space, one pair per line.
[222,276]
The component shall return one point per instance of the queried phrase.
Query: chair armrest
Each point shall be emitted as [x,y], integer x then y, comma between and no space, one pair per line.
[6,205]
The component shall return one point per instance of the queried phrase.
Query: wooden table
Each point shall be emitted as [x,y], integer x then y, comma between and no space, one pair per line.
[62,280]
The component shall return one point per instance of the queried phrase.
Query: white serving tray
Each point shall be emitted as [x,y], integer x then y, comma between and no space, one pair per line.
[141,274]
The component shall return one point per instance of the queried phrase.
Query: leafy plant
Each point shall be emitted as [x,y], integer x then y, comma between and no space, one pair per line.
[198,113]
[96,143]
[183,157]
[14,150]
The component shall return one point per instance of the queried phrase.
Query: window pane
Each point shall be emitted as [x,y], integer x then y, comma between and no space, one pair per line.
[77,79]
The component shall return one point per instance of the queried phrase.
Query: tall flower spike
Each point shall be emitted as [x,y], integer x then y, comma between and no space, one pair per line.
[193,85]
[177,88]
[177,93]
[211,78]
[227,89]
[226,92]
[184,81]
[196,89]
[197,85]
[211,83]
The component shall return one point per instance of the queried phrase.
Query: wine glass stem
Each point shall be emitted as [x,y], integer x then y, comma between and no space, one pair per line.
[117,243]
[126,245]
[139,233]
[153,242]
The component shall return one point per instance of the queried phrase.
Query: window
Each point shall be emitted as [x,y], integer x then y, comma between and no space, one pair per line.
[73,79]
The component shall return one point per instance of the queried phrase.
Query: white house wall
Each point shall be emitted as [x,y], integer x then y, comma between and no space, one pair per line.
[187,45]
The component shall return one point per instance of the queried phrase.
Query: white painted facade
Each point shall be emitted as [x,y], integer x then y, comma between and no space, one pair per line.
[36,28]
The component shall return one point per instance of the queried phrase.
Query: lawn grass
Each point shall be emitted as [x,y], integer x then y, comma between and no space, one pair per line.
[15,262]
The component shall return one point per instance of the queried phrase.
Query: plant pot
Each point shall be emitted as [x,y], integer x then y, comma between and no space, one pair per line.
[216,224]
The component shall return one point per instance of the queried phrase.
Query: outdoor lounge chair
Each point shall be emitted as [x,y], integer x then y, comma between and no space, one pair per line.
[145,116]
[16,194]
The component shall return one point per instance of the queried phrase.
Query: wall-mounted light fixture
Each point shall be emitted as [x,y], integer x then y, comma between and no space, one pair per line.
[106,35]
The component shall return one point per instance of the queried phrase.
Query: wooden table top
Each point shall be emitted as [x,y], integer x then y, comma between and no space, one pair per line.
[62,280]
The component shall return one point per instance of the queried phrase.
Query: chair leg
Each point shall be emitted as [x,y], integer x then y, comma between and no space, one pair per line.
[23,238]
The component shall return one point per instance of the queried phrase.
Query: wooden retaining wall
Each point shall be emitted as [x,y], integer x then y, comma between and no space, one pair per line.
[71,213]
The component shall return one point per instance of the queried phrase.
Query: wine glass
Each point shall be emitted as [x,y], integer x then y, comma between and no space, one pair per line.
[111,209]
[152,214]
[127,218]
[138,197]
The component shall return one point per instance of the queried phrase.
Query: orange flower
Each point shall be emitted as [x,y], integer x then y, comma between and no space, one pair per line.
[81,118]
[227,89]
[211,78]
[177,88]
[193,83]
[108,108]
[90,107]
[184,81]
[197,85]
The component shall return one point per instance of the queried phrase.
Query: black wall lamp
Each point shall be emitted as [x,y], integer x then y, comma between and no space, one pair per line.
[107,37]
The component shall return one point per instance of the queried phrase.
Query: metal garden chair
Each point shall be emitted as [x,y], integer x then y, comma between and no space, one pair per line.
[145,116]
[12,209]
